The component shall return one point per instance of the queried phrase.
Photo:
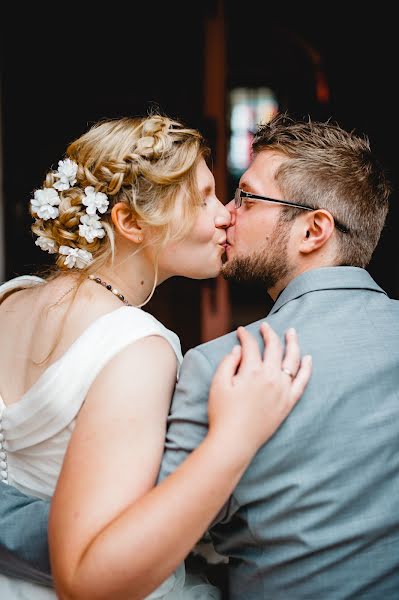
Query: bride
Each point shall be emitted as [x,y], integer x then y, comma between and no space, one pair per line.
[87,375]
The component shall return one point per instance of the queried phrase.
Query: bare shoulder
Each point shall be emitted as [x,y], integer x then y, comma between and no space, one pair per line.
[153,349]
[145,368]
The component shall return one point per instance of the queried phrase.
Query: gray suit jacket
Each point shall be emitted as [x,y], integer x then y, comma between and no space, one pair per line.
[316,515]
[23,536]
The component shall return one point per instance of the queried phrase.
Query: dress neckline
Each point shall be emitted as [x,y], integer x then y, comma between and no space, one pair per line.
[33,280]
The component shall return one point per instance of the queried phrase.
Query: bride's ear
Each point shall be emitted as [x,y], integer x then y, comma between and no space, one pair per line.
[126,224]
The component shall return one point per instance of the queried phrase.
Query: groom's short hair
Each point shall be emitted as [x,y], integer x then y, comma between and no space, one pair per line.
[334,169]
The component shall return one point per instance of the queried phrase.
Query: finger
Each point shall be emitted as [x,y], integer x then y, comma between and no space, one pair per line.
[292,356]
[301,380]
[229,365]
[273,353]
[250,352]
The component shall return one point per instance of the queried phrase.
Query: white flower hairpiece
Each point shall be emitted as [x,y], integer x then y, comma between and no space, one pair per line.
[95,201]
[46,244]
[66,174]
[75,257]
[91,227]
[45,202]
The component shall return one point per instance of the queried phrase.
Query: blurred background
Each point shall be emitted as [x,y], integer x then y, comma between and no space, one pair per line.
[218,67]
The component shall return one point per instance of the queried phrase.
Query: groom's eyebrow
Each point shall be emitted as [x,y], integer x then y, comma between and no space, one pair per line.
[243,186]
[247,187]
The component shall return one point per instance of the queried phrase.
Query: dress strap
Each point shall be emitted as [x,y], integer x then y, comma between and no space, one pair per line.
[18,283]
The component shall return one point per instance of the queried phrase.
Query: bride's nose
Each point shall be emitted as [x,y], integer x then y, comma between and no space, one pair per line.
[223,218]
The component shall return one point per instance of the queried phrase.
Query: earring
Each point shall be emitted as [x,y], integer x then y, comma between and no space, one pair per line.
[139,239]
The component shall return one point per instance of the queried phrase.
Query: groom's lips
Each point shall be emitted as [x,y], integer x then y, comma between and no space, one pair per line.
[227,247]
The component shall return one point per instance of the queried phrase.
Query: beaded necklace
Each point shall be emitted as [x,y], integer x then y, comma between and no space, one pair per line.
[109,287]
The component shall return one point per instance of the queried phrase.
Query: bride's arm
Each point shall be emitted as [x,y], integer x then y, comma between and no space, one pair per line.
[111,535]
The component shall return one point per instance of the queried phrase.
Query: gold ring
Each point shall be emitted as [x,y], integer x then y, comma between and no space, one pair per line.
[285,370]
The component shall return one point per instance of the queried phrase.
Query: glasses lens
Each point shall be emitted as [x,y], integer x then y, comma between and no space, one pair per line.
[237,198]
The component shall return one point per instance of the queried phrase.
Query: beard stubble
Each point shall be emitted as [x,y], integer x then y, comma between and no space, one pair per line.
[268,265]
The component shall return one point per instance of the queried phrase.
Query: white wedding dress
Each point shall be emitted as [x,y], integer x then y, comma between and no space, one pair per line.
[35,431]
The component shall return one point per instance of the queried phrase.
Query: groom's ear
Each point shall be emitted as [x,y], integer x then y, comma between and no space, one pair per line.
[317,228]
[126,223]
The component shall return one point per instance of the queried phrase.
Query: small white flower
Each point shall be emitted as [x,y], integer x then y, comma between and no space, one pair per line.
[76,257]
[46,244]
[91,227]
[66,174]
[95,201]
[45,202]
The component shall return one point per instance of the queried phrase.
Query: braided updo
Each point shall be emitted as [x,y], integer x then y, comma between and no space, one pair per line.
[143,162]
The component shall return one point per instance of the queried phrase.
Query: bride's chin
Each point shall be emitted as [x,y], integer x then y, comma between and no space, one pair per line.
[210,274]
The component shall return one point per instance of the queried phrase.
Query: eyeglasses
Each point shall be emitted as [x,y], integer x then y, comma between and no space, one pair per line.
[240,194]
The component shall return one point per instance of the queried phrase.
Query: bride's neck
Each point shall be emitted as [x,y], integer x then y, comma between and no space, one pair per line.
[133,276]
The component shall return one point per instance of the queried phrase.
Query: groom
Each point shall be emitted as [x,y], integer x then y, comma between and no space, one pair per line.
[316,514]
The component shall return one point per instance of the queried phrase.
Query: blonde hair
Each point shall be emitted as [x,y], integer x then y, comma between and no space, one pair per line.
[144,162]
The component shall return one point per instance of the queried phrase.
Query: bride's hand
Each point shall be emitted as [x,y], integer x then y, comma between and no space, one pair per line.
[251,394]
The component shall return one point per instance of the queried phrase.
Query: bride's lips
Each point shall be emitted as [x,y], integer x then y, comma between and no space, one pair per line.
[223,243]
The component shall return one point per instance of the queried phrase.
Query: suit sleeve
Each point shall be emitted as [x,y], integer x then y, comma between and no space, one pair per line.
[23,536]
[188,418]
